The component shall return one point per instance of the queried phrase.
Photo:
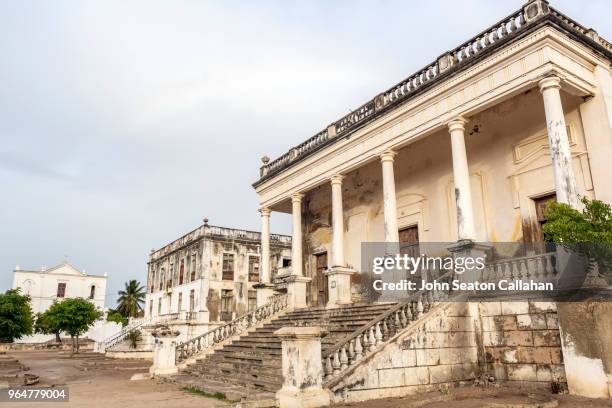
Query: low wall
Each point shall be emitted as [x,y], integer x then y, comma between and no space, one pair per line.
[521,341]
[437,350]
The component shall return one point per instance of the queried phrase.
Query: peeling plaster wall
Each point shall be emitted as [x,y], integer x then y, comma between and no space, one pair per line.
[521,341]
[510,165]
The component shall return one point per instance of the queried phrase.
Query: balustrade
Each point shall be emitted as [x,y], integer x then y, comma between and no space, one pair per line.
[219,334]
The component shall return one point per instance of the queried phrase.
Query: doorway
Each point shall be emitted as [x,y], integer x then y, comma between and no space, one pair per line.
[319,281]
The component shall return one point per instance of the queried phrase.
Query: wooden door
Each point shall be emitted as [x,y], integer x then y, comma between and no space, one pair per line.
[409,245]
[320,279]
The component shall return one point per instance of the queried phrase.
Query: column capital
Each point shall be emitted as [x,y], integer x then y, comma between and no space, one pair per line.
[336,179]
[297,197]
[552,81]
[388,155]
[265,212]
[457,124]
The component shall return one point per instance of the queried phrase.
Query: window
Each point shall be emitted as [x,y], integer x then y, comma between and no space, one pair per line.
[161,279]
[180,302]
[181,272]
[159,307]
[92,291]
[228,267]
[253,269]
[286,262]
[170,303]
[541,205]
[227,304]
[151,308]
[191,300]
[193,269]
[61,290]
[252,300]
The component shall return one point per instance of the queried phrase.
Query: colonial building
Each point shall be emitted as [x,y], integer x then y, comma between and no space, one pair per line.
[208,275]
[467,149]
[63,281]
[49,285]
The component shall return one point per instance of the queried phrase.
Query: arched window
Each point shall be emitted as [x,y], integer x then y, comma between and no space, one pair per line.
[92,291]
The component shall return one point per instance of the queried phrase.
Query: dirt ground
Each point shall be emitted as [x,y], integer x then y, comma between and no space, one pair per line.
[102,383]
[104,387]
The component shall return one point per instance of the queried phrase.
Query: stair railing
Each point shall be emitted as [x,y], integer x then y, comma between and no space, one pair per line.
[119,336]
[219,334]
[359,344]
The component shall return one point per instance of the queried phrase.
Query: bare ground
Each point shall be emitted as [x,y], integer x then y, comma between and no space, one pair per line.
[97,384]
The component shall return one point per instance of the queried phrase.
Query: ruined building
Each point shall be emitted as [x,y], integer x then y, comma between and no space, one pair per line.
[467,149]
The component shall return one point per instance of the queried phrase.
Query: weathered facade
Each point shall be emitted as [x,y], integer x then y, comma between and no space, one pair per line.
[467,149]
[208,276]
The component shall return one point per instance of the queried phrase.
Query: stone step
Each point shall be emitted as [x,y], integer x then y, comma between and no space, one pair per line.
[247,374]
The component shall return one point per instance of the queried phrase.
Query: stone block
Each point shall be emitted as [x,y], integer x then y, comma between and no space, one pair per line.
[558,372]
[391,377]
[505,323]
[556,355]
[490,308]
[436,339]
[493,354]
[440,374]
[456,324]
[509,356]
[426,357]
[460,339]
[523,322]
[488,323]
[464,371]
[537,355]
[552,321]
[416,375]
[518,338]
[514,308]
[544,373]
[458,355]
[546,338]
[408,358]
[499,371]
[492,339]
[542,307]
[458,309]
[522,372]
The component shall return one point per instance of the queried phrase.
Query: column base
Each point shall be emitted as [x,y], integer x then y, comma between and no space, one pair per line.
[296,289]
[163,371]
[339,286]
[264,292]
[292,398]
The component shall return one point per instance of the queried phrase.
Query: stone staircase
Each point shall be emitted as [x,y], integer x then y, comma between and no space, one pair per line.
[250,365]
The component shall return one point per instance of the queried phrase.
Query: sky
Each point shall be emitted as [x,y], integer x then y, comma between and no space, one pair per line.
[124,123]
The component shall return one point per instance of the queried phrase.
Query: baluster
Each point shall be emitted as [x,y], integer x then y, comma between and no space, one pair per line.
[329,371]
[343,359]
[512,26]
[351,352]
[550,271]
[419,307]
[371,340]
[403,319]
[385,329]
[378,334]
[336,363]
[358,348]
[398,322]
[408,313]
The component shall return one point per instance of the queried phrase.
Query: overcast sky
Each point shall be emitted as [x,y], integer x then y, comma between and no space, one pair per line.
[124,123]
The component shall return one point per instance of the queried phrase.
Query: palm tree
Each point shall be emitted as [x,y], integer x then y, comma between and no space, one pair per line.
[131,299]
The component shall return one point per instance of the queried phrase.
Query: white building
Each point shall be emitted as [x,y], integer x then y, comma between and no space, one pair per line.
[60,282]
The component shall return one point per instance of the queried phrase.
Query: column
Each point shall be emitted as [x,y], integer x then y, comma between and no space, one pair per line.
[461,178]
[338,275]
[302,368]
[264,288]
[389,200]
[565,182]
[337,221]
[297,283]
[296,238]
[264,269]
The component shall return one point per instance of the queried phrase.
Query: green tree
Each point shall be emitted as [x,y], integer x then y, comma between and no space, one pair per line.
[114,316]
[587,232]
[131,299]
[46,324]
[16,318]
[74,316]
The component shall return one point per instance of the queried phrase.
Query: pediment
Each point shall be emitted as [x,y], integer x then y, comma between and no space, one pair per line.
[534,152]
[64,269]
